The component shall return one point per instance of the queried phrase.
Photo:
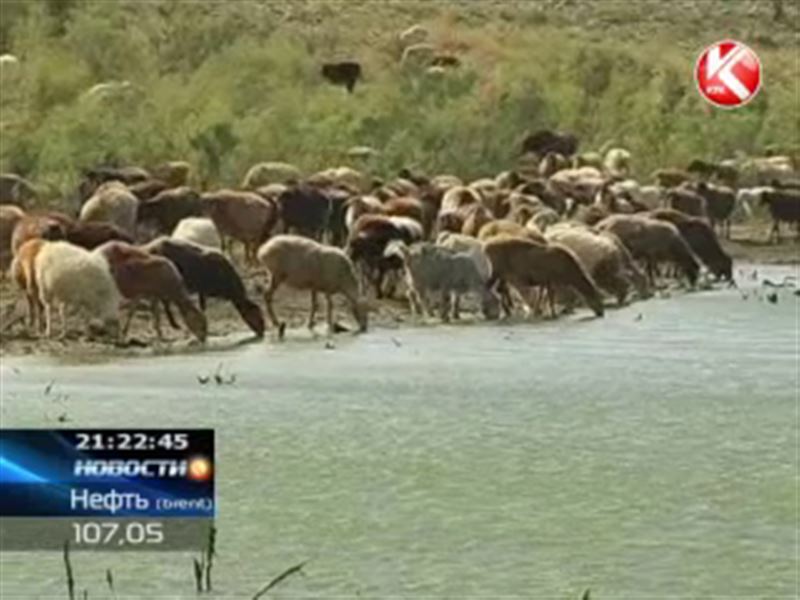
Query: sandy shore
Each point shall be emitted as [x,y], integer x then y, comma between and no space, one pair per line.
[748,244]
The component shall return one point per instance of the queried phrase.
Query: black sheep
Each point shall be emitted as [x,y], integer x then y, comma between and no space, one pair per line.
[211,275]
[342,73]
[784,206]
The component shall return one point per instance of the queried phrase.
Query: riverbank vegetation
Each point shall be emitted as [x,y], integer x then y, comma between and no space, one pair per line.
[226,85]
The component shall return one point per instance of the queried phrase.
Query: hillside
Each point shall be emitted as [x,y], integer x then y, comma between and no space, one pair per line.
[226,85]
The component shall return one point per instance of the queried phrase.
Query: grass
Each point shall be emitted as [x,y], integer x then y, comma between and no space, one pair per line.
[226,85]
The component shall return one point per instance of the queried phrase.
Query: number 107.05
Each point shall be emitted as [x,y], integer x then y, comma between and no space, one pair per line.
[110,532]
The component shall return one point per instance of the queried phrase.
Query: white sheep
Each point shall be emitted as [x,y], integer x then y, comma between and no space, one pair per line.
[114,203]
[270,172]
[617,162]
[198,230]
[746,198]
[430,268]
[69,276]
[346,176]
[305,264]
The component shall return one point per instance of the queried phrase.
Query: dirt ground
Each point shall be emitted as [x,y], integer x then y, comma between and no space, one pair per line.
[748,244]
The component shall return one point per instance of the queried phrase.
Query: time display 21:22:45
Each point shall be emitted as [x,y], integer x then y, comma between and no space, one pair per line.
[123,440]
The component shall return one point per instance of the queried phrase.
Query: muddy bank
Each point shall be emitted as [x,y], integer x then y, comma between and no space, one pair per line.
[748,245]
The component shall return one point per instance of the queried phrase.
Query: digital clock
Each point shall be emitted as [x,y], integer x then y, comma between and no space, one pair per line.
[131,440]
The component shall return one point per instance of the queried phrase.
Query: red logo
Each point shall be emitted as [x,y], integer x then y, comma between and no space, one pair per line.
[728,74]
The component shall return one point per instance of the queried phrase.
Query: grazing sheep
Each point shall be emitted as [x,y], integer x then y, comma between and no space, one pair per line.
[114,203]
[16,190]
[23,271]
[69,276]
[720,202]
[174,173]
[701,239]
[475,217]
[686,201]
[784,207]
[140,275]
[503,227]
[242,216]
[464,243]
[523,263]
[305,264]
[305,210]
[368,240]
[209,274]
[431,268]
[10,215]
[345,73]
[265,173]
[546,140]
[198,230]
[605,258]
[416,34]
[652,241]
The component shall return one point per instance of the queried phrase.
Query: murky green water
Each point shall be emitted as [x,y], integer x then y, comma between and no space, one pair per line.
[651,456]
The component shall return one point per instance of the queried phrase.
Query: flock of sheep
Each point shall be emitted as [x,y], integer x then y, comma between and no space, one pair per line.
[566,230]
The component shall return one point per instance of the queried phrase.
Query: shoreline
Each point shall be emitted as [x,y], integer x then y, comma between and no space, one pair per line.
[747,246]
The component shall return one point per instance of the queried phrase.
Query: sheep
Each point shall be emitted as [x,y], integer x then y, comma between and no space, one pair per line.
[92,234]
[198,230]
[305,210]
[416,34]
[701,239]
[140,275]
[430,268]
[617,162]
[341,176]
[747,198]
[345,73]
[174,173]
[305,264]
[168,208]
[368,239]
[582,185]
[24,273]
[653,241]
[242,216]
[67,275]
[271,191]
[457,197]
[720,202]
[112,202]
[523,263]
[687,201]
[542,219]
[552,163]
[417,54]
[271,172]
[545,140]
[475,217]
[10,215]
[464,243]
[149,188]
[503,227]
[604,257]
[361,205]
[16,190]
[210,274]
[784,206]
[670,177]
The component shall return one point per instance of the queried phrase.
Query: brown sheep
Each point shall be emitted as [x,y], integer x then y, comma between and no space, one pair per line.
[140,275]
[652,241]
[174,173]
[10,215]
[305,264]
[23,270]
[167,208]
[671,177]
[720,202]
[242,216]
[686,201]
[144,190]
[475,217]
[45,225]
[523,263]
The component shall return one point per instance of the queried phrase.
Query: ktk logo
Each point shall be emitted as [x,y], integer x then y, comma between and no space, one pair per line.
[728,74]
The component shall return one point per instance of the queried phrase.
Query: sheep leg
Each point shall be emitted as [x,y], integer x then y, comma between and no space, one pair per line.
[268,294]
[62,314]
[126,326]
[201,298]
[456,306]
[156,319]
[313,312]
[444,306]
[48,319]
[329,313]
[551,296]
